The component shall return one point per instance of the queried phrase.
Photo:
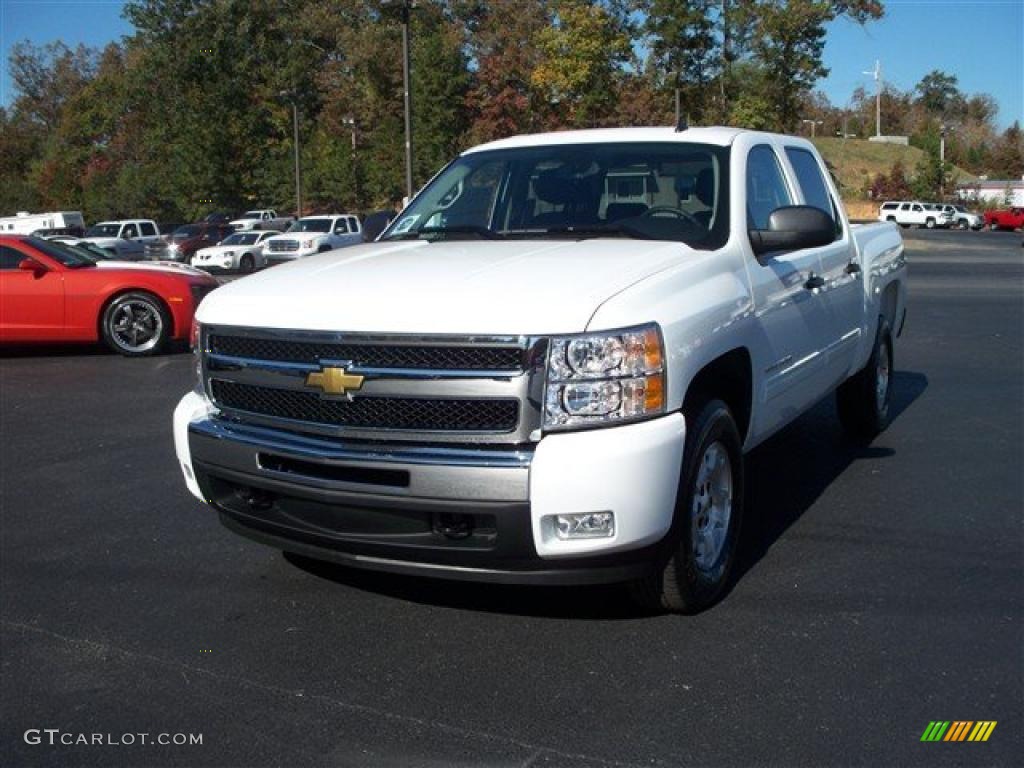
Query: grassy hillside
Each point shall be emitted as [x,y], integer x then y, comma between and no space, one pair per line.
[857,161]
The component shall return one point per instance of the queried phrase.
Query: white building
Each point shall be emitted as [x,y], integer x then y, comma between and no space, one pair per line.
[1009,192]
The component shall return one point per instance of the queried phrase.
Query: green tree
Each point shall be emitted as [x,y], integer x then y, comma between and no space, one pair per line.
[683,45]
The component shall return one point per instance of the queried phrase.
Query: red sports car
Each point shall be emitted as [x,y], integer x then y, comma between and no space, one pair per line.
[50,292]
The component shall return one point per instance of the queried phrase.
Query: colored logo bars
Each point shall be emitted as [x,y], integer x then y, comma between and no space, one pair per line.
[958,730]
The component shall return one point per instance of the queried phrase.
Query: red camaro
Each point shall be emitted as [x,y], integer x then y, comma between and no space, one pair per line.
[50,292]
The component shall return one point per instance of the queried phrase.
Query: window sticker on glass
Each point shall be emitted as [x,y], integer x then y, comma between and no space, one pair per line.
[405,224]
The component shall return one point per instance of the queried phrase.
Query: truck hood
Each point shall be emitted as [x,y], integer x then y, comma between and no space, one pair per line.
[512,287]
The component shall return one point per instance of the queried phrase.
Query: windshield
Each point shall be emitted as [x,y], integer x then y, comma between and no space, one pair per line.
[103,230]
[69,257]
[241,238]
[656,191]
[311,225]
[186,232]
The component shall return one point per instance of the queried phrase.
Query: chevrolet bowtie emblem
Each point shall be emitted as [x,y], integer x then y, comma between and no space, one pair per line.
[334,381]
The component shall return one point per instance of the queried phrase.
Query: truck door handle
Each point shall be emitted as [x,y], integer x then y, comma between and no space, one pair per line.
[853,268]
[814,281]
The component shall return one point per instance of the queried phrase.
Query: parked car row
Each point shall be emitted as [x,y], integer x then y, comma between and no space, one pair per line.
[909,213]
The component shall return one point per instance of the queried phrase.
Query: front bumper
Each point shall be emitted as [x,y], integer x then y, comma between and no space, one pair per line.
[477,514]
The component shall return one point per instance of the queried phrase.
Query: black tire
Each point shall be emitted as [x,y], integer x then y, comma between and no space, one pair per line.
[246,264]
[993,226]
[135,324]
[962,224]
[891,218]
[929,223]
[683,584]
[862,400]
[323,248]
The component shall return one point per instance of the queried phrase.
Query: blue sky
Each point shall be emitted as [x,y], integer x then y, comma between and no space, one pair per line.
[981,42]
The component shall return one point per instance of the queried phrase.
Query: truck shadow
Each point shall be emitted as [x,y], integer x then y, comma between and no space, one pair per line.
[785,476]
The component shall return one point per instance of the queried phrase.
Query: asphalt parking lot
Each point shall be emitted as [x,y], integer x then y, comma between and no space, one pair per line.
[880,589]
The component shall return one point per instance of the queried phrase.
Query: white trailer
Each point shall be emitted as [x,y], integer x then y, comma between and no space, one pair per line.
[25,223]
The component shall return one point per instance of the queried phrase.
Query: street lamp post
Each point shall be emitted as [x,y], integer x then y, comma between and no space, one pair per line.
[406,77]
[295,141]
[876,73]
[405,8]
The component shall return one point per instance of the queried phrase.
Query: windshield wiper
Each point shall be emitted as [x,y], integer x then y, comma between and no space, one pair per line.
[460,229]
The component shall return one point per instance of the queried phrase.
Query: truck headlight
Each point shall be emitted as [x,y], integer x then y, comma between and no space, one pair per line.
[597,379]
[197,356]
[308,243]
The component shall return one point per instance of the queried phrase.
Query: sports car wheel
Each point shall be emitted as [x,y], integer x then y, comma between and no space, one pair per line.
[136,324]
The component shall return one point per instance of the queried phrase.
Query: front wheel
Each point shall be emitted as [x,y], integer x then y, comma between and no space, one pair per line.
[863,399]
[929,223]
[136,324]
[247,264]
[962,224]
[709,507]
[993,226]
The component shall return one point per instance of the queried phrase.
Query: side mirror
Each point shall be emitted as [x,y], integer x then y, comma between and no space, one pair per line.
[793,227]
[33,266]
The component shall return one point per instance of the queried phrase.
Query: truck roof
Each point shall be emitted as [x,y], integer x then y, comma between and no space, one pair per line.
[718,135]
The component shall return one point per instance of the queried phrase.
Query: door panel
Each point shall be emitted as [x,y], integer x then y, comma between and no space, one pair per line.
[840,267]
[791,316]
[31,304]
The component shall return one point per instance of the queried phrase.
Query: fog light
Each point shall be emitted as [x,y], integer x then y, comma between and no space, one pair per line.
[585,525]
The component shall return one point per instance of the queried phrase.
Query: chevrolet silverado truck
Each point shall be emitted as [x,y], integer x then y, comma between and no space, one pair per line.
[549,367]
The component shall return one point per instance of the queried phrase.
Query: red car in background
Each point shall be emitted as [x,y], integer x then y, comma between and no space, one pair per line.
[1009,218]
[50,292]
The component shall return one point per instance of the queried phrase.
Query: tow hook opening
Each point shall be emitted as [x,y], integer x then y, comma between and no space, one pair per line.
[256,499]
[453,525]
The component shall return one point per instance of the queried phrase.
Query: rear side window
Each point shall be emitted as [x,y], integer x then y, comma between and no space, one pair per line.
[148,230]
[766,186]
[812,183]
[889,207]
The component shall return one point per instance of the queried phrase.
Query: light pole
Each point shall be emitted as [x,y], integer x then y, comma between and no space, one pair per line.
[350,122]
[813,123]
[405,8]
[295,140]
[877,74]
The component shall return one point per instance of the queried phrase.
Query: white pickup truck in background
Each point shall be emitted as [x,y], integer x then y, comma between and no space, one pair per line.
[263,218]
[549,368]
[125,239]
[313,234]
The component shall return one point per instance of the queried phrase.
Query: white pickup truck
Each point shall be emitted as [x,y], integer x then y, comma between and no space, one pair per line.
[263,218]
[549,367]
[126,239]
[313,234]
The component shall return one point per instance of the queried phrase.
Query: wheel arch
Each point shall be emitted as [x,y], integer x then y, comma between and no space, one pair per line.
[121,291]
[730,378]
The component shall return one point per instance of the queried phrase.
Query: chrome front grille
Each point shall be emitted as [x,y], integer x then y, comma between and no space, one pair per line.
[393,413]
[414,388]
[416,357]
[282,246]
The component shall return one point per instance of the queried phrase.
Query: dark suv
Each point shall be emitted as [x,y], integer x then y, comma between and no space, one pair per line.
[189,238]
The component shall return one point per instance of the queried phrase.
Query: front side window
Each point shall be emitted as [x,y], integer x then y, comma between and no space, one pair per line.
[148,230]
[341,227]
[10,258]
[812,183]
[766,186]
[658,191]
